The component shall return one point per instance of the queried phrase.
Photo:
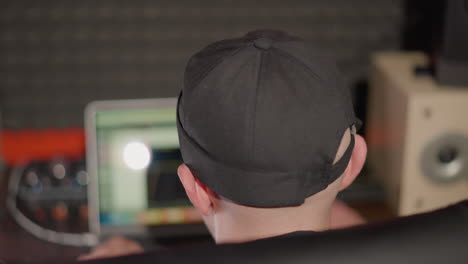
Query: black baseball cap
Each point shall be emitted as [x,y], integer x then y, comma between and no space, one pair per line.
[260,119]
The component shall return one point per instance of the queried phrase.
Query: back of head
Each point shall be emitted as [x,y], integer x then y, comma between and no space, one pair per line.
[261,118]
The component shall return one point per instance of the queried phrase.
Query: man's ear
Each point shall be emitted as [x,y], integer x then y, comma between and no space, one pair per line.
[356,162]
[198,194]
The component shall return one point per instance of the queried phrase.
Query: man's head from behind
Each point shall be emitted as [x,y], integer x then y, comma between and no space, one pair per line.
[266,129]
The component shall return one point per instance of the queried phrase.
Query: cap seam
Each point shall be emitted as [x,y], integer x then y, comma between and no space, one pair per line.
[254,121]
[305,67]
[299,60]
[349,104]
[340,132]
[234,52]
[205,75]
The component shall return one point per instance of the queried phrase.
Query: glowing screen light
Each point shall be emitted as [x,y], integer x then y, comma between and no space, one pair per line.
[136,155]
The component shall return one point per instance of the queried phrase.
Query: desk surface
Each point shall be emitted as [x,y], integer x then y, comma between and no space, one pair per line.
[17,244]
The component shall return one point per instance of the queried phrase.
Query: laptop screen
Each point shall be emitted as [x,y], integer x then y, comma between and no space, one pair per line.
[137,159]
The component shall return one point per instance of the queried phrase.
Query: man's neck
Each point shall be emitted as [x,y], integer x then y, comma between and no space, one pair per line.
[242,226]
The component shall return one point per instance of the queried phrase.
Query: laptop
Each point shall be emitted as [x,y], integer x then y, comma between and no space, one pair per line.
[132,158]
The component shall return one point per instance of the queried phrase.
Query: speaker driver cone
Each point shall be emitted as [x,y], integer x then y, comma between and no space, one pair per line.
[445,159]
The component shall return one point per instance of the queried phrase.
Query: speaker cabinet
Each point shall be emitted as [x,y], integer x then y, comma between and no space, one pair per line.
[417,133]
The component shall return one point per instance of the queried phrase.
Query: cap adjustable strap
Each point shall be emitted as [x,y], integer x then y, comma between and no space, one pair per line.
[334,171]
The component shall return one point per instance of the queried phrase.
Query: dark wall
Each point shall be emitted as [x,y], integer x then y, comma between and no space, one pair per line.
[56,56]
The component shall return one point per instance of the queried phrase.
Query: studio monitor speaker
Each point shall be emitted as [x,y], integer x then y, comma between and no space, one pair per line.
[417,133]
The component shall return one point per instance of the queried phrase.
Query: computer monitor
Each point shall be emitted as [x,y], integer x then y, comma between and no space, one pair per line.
[132,158]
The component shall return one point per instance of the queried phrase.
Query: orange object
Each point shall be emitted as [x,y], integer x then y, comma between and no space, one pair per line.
[23,146]
[60,212]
